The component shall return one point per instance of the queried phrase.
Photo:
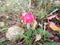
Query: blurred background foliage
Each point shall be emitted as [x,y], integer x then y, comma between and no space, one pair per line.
[40,8]
[35,6]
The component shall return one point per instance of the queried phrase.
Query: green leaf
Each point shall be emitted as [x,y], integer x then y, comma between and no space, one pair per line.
[44,32]
[28,41]
[3,29]
[42,14]
[4,9]
[12,1]
[53,11]
[3,40]
[51,43]
[28,33]
[40,30]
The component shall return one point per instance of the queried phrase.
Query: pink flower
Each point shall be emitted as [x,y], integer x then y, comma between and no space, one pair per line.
[28,18]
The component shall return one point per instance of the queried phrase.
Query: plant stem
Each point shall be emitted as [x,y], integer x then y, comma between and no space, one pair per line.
[28,26]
